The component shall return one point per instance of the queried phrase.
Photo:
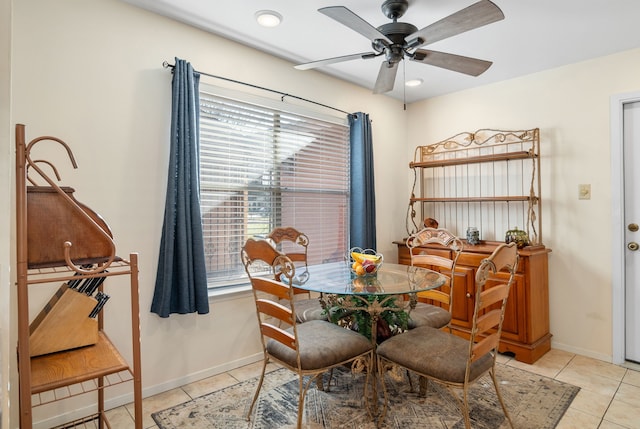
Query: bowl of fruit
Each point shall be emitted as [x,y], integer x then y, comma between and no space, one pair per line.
[364,262]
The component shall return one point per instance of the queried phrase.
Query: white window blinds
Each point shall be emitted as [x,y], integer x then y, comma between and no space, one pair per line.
[262,167]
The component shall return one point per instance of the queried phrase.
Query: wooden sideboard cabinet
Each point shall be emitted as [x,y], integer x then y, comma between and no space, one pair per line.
[525,331]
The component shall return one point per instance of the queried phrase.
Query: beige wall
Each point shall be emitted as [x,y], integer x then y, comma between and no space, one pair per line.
[90,73]
[571,106]
[5,219]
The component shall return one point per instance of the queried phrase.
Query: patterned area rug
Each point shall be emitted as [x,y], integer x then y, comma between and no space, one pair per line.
[534,402]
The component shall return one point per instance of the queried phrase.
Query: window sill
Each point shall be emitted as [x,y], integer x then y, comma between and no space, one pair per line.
[230,291]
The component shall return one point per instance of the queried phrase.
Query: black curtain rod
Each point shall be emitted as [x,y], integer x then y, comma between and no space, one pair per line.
[283,94]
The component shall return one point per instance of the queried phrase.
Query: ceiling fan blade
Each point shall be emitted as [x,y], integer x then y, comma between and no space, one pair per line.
[477,15]
[466,65]
[327,61]
[346,17]
[386,77]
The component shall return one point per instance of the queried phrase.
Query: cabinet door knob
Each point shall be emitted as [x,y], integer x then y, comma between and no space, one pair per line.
[468,295]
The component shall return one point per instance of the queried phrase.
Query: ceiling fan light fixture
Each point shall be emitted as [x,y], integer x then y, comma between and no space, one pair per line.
[414,82]
[268,18]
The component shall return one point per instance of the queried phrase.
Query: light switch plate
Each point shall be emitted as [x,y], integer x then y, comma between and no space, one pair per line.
[584,192]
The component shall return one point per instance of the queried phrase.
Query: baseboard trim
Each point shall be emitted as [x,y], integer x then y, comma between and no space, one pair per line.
[121,400]
[580,351]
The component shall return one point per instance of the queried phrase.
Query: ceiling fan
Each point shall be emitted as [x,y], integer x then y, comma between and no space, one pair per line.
[400,40]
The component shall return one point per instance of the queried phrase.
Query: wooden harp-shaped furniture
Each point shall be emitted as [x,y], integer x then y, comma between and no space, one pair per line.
[61,241]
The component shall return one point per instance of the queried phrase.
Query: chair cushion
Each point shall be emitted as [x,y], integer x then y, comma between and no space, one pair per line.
[322,344]
[433,353]
[428,315]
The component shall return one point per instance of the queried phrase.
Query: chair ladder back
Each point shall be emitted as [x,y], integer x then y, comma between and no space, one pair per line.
[289,234]
[271,287]
[278,334]
[435,295]
[488,321]
[275,310]
[432,260]
[254,250]
[484,346]
[485,318]
[297,291]
[492,295]
[505,257]
[296,239]
[434,235]
[297,257]
[446,266]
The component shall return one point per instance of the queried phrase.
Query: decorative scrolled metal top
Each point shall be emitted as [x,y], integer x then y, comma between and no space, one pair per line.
[482,137]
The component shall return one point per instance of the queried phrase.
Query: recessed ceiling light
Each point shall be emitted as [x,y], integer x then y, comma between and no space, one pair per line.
[414,82]
[268,18]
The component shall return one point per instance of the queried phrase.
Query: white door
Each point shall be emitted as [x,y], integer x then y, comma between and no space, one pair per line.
[631,150]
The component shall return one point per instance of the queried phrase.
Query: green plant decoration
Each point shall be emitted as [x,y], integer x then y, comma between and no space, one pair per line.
[351,312]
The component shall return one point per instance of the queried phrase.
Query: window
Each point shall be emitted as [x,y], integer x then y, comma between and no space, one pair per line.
[262,166]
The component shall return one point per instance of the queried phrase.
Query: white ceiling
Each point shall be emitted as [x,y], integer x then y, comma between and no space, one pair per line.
[535,35]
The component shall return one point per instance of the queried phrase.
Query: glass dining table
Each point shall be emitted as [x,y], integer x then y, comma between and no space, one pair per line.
[386,290]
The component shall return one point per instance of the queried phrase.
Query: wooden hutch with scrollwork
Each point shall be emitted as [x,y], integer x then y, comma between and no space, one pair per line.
[490,180]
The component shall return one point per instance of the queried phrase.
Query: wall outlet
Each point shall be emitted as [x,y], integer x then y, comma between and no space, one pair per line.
[584,192]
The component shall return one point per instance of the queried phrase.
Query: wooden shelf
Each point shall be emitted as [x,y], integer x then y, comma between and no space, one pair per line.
[470,199]
[61,369]
[473,159]
[52,274]
[487,179]
[86,422]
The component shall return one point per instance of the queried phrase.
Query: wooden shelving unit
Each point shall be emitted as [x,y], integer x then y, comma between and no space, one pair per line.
[45,255]
[488,179]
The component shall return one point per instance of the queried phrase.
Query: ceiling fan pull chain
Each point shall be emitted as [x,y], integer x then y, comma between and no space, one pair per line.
[404,86]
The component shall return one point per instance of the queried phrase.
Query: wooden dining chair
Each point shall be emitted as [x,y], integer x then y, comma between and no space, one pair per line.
[295,245]
[435,306]
[455,362]
[308,349]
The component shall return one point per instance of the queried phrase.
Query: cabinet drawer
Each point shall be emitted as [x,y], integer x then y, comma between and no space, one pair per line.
[474,260]
[471,259]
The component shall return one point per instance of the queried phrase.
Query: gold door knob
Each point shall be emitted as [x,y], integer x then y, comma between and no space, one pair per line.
[633,246]
[633,227]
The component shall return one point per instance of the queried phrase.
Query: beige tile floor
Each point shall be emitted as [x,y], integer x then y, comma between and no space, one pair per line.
[609,397]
